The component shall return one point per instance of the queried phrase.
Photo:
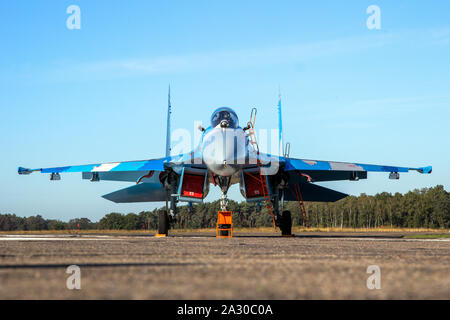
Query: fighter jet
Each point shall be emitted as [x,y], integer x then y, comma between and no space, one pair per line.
[227,154]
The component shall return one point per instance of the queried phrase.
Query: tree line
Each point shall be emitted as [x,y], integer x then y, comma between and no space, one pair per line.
[424,208]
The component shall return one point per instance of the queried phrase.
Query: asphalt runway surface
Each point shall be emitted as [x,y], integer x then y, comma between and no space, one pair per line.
[248,266]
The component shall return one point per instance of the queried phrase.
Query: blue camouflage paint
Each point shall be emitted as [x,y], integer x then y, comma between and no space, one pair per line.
[82,168]
[376,168]
[156,164]
[299,164]
[142,165]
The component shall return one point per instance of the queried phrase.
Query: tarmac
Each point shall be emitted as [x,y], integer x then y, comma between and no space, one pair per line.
[248,266]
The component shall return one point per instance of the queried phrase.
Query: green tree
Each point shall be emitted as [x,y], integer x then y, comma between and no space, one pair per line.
[112,221]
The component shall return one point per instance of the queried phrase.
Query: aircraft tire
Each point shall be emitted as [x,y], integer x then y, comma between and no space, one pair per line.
[286,223]
[163,222]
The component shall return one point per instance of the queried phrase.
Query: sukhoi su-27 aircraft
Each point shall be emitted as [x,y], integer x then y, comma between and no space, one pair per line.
[227,154]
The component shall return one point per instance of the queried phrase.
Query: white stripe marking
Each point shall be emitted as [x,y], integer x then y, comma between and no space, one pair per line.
[105,167]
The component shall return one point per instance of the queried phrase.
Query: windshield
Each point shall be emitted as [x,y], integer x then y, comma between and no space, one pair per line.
[225,117]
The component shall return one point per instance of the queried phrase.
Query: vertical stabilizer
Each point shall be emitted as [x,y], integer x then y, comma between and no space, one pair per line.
[169,112]
[280,127]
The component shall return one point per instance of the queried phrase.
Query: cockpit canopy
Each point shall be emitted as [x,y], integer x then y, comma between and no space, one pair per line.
[225,117]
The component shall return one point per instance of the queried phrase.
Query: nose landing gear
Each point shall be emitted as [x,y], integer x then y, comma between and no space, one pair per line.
[224,184]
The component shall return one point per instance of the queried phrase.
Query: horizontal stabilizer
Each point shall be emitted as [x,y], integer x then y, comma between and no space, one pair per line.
[144,192]
[312,192]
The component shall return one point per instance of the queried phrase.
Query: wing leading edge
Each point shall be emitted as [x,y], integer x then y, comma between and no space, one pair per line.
[142,165]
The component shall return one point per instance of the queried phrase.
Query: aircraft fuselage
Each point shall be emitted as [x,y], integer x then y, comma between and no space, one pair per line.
[224,150]
[224,144]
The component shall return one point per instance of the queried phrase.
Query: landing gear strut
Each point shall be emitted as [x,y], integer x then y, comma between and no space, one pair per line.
[224,228]
[224,184]
[283,221]
[223,202]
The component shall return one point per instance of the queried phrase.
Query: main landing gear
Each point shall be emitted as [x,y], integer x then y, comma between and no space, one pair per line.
[286,223]
[167,217]
[163,224]
[283,220]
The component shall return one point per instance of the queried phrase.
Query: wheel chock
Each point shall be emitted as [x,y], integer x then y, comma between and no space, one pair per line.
[161,235]
[224,226]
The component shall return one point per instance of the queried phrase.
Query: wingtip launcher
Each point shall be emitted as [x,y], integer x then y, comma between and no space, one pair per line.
[425,169]
[22,170]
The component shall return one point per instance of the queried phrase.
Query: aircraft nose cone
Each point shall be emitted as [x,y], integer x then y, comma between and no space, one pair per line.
[224,150]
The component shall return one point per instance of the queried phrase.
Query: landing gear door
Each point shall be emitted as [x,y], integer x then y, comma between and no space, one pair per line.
[250,185]
[193,185]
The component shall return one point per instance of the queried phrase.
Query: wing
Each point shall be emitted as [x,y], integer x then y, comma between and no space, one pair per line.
[148,175]
[318,170]
[126,166]
[122,171]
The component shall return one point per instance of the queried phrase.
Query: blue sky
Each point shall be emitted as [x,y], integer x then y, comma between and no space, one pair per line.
[99,94]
